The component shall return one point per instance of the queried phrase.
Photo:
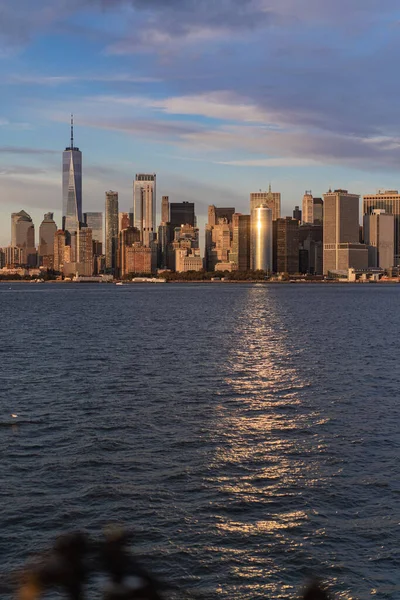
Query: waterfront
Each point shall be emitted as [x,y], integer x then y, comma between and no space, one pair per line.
[249,434]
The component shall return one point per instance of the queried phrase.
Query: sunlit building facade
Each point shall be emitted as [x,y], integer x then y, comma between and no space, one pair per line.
[144,206]
[262,238]
[389,201]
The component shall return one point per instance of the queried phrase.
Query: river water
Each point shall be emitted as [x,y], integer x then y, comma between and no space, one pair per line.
[248,434]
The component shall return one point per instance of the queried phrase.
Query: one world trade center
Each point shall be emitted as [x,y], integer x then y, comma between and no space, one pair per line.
[72,186]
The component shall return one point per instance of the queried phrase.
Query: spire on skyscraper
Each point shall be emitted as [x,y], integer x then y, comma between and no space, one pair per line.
[72,131]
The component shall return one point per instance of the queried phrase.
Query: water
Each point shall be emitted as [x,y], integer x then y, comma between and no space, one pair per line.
[249,434]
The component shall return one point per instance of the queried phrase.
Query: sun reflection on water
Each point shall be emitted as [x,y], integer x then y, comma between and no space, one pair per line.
[266,439]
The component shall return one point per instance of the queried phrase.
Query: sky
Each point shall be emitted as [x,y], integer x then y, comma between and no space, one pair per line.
[218,97]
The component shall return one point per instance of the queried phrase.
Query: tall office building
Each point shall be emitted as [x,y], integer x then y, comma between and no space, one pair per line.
[218,236]
[124,220]
[85,266]
[269,199]
[261,234]
[72,186]
[127,237]
[342,249]
[379,237]
[313,209]
[389,201]
[144,206]
[182,213]
[47,231]
[240,254]
[318,207]
[311,249]
[165,209]
[111,231]
[23,236]
[59,250]
[94,220]
[308,208]
[286,245]
[297,213]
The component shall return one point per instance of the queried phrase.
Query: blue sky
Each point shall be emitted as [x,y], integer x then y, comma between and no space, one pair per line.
[219,98]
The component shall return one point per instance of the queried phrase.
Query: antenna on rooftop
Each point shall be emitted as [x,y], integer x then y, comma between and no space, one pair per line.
[72,131]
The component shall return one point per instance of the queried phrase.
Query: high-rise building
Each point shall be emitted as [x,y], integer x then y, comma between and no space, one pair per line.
[127,237]
[85,264]
[389,201]
[165,209]
[297,213]
[311,249]
[47,231]
[261,234]
[23,236]
[313,209]
[111,231]
[124,220]
[72,185]
[144,206]
[215,213]
[379,237]
[342,249]
[59,250]
[140,259]
[13,256]
[318,207]
[240,254]
[182,213]
[218,243]
[286,245]
[269,199]
[94,220]
[308,208]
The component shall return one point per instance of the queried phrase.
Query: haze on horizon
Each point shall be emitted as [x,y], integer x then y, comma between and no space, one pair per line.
[217,98]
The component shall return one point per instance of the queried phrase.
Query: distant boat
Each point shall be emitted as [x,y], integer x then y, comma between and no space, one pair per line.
[120,283]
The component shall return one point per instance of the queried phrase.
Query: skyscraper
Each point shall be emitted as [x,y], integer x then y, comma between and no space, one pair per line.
[240,254]
[23,236]
[286,245]
[262,238]
[47,231]
[342,248]
[297,213]
[94,220]
[72,185]
[144,206]
[182,213]
[379,237]
[165,209]
[59,250]
[111,223]
[124,220]
[313,209]
[269,199]
[389,201]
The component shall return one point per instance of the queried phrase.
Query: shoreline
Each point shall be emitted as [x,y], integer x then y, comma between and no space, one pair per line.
[205,281]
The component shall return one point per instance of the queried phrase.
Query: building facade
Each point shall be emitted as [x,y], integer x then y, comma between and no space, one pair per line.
[341,232]
[286,245]
[269,199]
[240,254]
[261,231]
[144,206]
[182,213]
[23,236]
[379,237]
[389,201]
[47,231]
[165,209]
[127,237]
[111,232]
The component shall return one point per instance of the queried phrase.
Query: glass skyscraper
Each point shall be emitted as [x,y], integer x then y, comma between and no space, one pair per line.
[144,206]
[72,186]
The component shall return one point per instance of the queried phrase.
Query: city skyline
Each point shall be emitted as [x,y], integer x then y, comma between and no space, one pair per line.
[155,88]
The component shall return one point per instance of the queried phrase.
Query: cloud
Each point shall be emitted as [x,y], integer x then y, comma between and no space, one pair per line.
[54,80]
[24,150]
